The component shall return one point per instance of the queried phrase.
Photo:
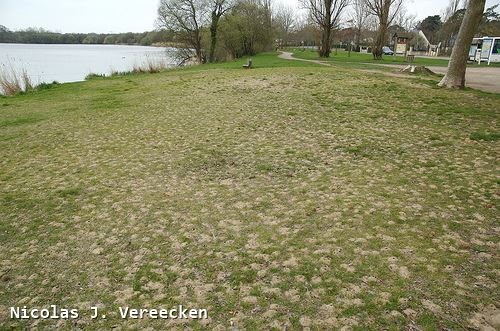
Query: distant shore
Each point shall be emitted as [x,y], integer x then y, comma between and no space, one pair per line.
[164,44]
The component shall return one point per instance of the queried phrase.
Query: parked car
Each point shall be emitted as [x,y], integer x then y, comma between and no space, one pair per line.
[387,51]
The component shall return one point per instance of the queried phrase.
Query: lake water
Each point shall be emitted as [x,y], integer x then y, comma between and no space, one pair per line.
[71,63]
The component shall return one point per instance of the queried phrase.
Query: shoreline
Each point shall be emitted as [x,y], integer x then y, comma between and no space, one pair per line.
[65,63]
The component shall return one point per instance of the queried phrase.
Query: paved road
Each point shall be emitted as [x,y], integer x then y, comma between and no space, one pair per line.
[482,78]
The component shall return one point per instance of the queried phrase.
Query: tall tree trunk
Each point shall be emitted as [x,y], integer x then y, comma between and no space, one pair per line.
[455,76]
[326,31]
[199,49]
[325,49]
[358,37]
[382,29]
[380,41]
[213,37]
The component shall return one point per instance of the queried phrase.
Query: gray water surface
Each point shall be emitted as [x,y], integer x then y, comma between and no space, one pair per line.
[71,63]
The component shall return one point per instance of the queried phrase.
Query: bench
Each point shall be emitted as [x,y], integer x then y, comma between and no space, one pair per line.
[410,58]
[248,65]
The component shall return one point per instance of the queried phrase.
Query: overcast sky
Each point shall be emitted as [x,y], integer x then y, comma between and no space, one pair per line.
[106,16]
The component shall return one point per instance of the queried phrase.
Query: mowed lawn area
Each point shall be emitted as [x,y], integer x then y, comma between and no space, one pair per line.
[291,196]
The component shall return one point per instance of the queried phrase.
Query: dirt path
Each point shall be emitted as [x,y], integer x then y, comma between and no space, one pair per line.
[288,56]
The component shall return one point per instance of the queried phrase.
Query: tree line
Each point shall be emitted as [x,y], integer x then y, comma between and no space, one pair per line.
[374,22]
[239,27]
[216,30]
[42,36]
[445,28]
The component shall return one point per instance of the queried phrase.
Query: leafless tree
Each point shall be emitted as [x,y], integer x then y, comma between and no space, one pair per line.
[455,76]
[217,9]
[326,14]
[359,16]
[305,31]
[385,11]
[452,8]
[186,17]
[285,20]
[405,20]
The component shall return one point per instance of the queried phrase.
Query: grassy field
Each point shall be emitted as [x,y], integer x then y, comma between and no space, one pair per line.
[288,196]
[342,57]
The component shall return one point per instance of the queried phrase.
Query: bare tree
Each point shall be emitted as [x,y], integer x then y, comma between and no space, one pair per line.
[218,8]
[452,8]
[186,17]
[385,11]
[405,20]
[359,16]
[285,20]
[326,15]
[305,31]
[455,76]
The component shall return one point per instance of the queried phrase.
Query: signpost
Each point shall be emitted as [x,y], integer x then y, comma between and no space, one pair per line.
[486,50]
[472,52]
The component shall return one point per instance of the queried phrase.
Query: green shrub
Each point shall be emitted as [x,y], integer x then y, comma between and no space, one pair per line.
[94,76]
[484,136]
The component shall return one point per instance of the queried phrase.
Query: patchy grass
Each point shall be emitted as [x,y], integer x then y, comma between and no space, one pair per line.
[30,119]
[301,196]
